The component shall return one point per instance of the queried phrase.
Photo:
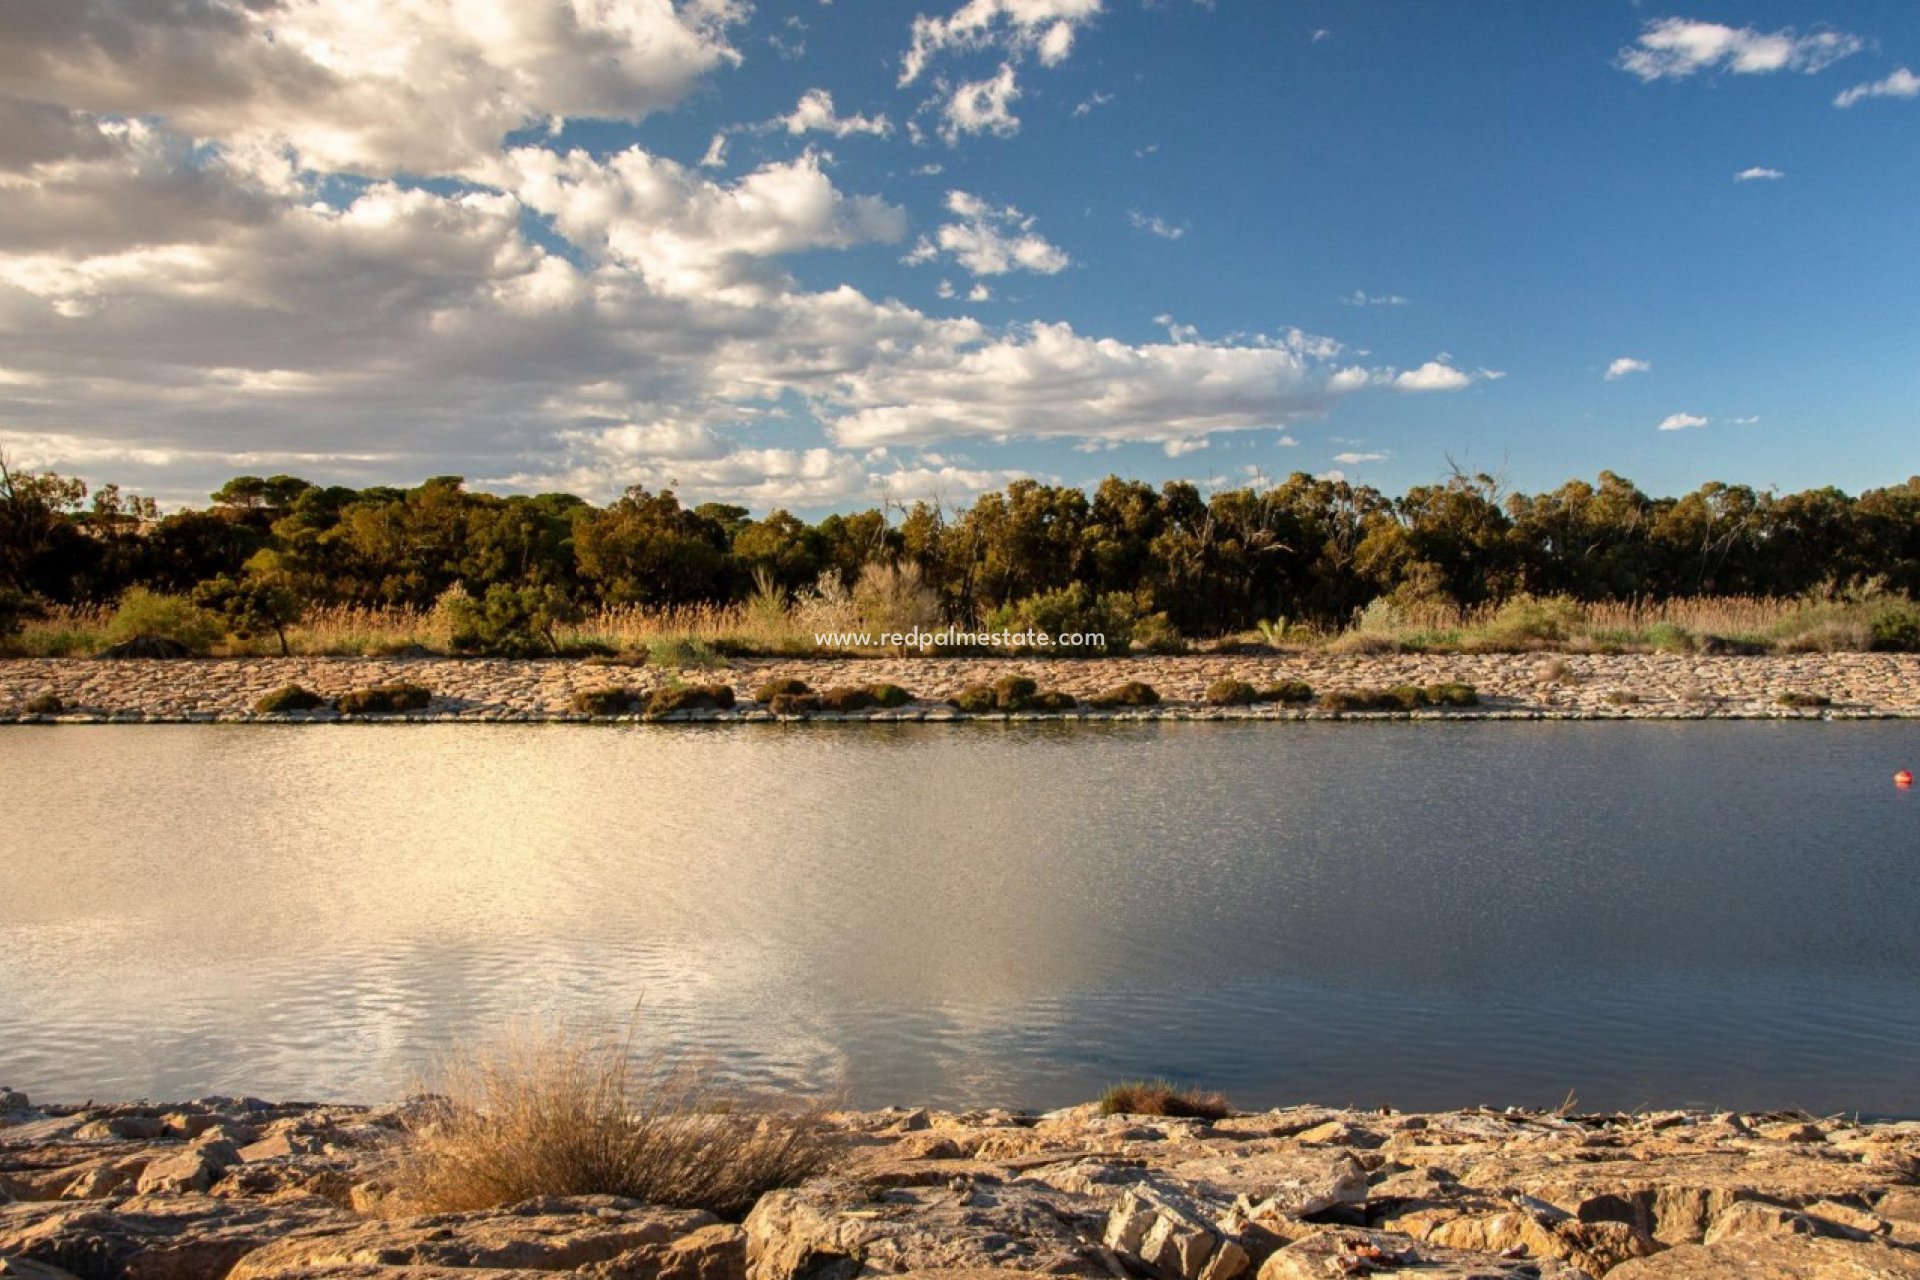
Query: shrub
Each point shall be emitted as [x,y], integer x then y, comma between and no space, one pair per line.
[510,622]
[1622,697]
[1162,1098]
[15,608]
[1133,693]
[1404,697]
[846,699]
[144,615]
[1012,692]
[895,598]
[607,700]
[556,1113]
[1071,610]
[253,605]
[690,697]
[45,704]
[1291,692]
[793,704]
[1897,630]
[1529,622]
[976,698]
[1231,693]
[684,652]
[1665,637]
[889,695]
[1797,698]
[1157,635]
[383,699]
[1052,700]
[776,688]
[289,697]
[1452,694]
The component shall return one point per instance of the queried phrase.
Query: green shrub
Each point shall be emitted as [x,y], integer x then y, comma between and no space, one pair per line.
[1052,700]
[1529,622]
[1291,692]
[15,608]
[793,704]
[1452,694]
[845,699]
[1231,693]
[1665,637]
[976,699]
[1797,698]
[1011,693]
[1157,635]
[684,652]
[607,700]
[1071,610]
[1897,630]
[776,688]
[1403,697]
[251,605]
[289,697]
[383,699]
[690,697]
[145,614]
[1133,693]
[45,704]
[511,622]
[889,695]
[1162,1098]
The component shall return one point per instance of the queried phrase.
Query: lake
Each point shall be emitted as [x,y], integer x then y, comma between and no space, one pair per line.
[1422,915]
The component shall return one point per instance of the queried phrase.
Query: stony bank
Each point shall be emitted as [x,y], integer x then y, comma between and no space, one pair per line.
[248,1190]
[1530,686]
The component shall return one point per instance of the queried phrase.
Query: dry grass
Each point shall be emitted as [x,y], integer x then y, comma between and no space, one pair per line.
[553,1111]
[1162,1098]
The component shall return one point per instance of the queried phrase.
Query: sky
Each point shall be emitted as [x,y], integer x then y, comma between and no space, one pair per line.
[821,255]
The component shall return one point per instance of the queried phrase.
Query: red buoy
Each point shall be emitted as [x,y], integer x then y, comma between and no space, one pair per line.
[1904,778]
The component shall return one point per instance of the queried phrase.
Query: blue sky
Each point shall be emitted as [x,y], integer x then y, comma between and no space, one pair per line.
[1065,238]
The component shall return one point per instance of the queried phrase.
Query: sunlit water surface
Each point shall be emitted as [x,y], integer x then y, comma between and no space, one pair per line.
[1426,915]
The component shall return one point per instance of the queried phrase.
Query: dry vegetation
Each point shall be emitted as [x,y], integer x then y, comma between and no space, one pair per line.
[1162,1098]
[555,1111]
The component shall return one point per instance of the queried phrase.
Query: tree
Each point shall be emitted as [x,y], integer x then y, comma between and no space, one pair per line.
[512,622]
[252,605]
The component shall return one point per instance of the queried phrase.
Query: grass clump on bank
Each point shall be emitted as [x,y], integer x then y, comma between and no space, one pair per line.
[1012,693]
[787,687]
[1162,1098]
[607,700]
[1292,693]
[690,697]
[1800,700]
[287,698]
[1402,697]
[1231,693]
[383,699]
[45,704]
[1134,693]
[555,1112]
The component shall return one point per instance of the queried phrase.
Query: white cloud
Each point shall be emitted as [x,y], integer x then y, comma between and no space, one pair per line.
[989,241]
[1044,28]
[1745,422]
[1355,459]
[1156,225]
[1087,106]
[413,85]
[982,106]
[814,113]
[1361,298]
[1759,173]
[1625,366]
[1681,421]
[1439,375]
[1181,448]
[1901,83]
[979,293]
[716,156]
[1675,48]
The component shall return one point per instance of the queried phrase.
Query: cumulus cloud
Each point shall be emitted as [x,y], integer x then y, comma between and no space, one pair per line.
[403,85]
[1901,83]
[814,113]
[981,106]
[1681,421]
[1438,375]
[1044,28]
[1156,225]
[1759,173]
[1675,48]
[990,241]
[1355,459]
[1625,366]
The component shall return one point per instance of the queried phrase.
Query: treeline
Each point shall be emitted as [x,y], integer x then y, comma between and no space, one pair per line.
[1309,549]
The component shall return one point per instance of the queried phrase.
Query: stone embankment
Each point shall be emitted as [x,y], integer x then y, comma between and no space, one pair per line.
[248,1190]
[1525,686]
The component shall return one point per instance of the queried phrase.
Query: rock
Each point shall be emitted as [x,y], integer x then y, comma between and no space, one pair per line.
[145,647]
[1528,1228]
[1338,1133]
[23,1269]
[718,1252]
[832,1229]
[194,1169]
[146,1238]
[549,1234]
[12,1102]
[132,1128]
[374,1271]
[1281,1177]
[1349,1253]
[1785,1258]
[1170,1234]
[1749,1219]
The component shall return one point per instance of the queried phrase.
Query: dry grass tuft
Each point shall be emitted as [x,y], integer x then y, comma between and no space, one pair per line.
[553,1111]
[1162,1098]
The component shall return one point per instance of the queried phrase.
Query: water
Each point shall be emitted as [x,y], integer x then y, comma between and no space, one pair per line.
[1423,915]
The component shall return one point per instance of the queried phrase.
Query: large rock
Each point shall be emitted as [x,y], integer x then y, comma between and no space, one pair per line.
[148,1237]
[22,1269]
[1777,1258]
[551,1234]
[1170,1234]
[833,1229]
[1530,1228]
[1291,1180]
[1338,1252]
[191,1169]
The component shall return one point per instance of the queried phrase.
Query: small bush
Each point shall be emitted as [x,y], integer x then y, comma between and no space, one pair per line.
[289,697]
[383,699]
[1052,700]
[690,697]
[1665,637]
[976,699]
[557,1113]
[607,700]
[845,699]
[45,704]
[619,658]
[1452,694]
[793,704]
[1133,693]
[1401,697]
[1897,630]
[1797,698]
[146,615]
[684,652]
[1291,692]
[1011,693]
[1231,693]
[786,686]
[1157,635]
[888,695]
[511,622]
[1162,1098]
[1622,697]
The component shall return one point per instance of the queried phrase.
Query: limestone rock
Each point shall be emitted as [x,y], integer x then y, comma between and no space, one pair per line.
[193,1169]
[1779,1258]
[23,1269]
[1169,1233]
[550,1234]
[1339,1252]
[148,1237]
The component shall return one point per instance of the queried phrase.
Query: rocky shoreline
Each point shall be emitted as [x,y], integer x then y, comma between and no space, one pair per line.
[1511,686]
[251,1190]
